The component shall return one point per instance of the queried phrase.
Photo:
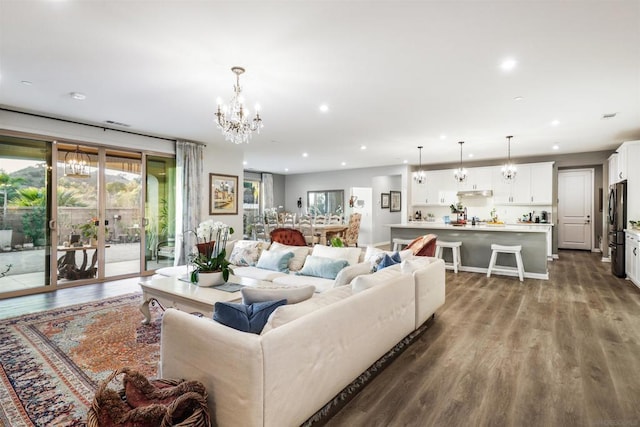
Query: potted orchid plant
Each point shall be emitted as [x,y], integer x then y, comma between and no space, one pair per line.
[211,265]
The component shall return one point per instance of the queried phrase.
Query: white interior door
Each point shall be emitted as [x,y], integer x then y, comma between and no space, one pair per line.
[575,206]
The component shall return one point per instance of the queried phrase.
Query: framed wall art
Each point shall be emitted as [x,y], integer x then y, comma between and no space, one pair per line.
[223,194]
[384,200]
[395,202]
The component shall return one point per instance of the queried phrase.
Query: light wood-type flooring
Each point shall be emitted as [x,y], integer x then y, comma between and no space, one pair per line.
[562,352]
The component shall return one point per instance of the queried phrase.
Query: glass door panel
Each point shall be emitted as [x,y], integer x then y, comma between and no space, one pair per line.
[77,213]
[24,215]
[160,212]
[123,227]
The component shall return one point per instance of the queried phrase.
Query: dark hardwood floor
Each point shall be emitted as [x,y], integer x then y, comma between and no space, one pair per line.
[562,352]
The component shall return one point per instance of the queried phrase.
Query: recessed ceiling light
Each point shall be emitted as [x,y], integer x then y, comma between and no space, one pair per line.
[518,98]
[443,136]
[470,154]
[405,161]
[286,169]
[555,123]
[305,154]
[244,163]
[324,108]
[26,82]
[78,96]
[556,147]
[343,164]
[508,64]
[363,147]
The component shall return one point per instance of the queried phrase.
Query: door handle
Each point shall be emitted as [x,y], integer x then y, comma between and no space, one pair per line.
[53,224]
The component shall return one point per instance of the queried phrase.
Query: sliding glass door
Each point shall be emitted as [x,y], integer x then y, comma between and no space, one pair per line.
[160,213]
[25,193]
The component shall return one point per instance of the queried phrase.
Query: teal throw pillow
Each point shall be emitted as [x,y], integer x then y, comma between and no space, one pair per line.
[246,318]
[388,261]
[327,268]
[275,260]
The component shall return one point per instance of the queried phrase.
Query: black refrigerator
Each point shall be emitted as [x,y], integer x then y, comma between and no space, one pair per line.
[617,224]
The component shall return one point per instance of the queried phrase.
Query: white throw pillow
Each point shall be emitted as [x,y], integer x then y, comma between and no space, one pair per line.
[347,274]
[373,255]
[352,255]
[299,254]
[293,294]
[247,252]
[413,264]
[288,313]
[367,281]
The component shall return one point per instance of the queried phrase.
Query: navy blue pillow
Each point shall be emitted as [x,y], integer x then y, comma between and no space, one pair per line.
[245,318]
[388,261]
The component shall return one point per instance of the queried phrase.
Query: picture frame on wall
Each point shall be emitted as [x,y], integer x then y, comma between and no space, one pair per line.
[395,201]
[223,194]
[384,200]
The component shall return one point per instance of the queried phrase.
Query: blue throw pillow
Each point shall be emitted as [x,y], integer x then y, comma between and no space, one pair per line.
[388,261]
[275,260]
[245,318]
[318,266]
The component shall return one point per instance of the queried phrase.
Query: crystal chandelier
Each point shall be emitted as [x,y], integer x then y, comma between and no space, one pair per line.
[419,177]
[76,164]
[509,169]
[460,174]
[233,119]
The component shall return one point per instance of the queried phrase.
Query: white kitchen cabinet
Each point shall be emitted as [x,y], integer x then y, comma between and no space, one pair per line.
[442,188]
[533,185]
[418,191]
[542,183]
[632,257]
[622,171]
[477,179]
[613,168]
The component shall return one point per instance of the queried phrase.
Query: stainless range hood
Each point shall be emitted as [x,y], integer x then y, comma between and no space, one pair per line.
[475,193]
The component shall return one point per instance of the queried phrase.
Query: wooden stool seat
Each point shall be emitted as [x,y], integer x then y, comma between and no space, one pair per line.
[455,252]
[516,250]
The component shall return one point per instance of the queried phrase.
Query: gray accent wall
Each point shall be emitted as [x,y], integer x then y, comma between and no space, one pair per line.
[380,179]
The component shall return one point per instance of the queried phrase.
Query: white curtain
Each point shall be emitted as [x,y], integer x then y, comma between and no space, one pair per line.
[188,195]
[267,191]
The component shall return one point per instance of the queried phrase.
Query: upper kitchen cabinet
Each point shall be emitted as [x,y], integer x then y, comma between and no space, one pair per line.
[439,188]
[532,185]
[613,168]
[478,179]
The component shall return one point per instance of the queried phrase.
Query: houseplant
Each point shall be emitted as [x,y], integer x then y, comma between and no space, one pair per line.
[211,266]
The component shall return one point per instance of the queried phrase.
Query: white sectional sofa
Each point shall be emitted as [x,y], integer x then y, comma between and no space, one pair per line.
[308,352]
[252,250]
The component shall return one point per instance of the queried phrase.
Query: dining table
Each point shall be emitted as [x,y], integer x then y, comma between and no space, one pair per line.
[329,231]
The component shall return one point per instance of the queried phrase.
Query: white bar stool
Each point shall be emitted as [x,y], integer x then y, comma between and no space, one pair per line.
[399,244]
[455,252]
[516,250]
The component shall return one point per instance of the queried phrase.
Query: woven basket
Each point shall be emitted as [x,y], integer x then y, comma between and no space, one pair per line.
[198,418]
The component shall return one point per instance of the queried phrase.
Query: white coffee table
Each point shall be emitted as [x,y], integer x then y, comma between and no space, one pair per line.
[171,292]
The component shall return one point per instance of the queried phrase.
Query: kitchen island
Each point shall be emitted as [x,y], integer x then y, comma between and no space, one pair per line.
[477,240]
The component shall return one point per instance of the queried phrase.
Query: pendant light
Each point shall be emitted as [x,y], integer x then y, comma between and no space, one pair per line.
[420,177]
[509,169]
[460,174]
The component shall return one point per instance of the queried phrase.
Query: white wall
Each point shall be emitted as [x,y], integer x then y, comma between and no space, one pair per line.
[223,158]
[384,184]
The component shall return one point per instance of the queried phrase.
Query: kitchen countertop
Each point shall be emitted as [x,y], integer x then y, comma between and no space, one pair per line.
[521,228]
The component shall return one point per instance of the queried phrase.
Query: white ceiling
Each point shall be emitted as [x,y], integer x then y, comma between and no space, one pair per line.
[395,74]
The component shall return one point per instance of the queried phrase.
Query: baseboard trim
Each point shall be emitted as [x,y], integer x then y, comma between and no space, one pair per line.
[527,275]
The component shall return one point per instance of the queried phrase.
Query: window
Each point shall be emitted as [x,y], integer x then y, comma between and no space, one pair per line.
[325,202]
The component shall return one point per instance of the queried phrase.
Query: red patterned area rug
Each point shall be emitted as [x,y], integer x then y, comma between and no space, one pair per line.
[52,362]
